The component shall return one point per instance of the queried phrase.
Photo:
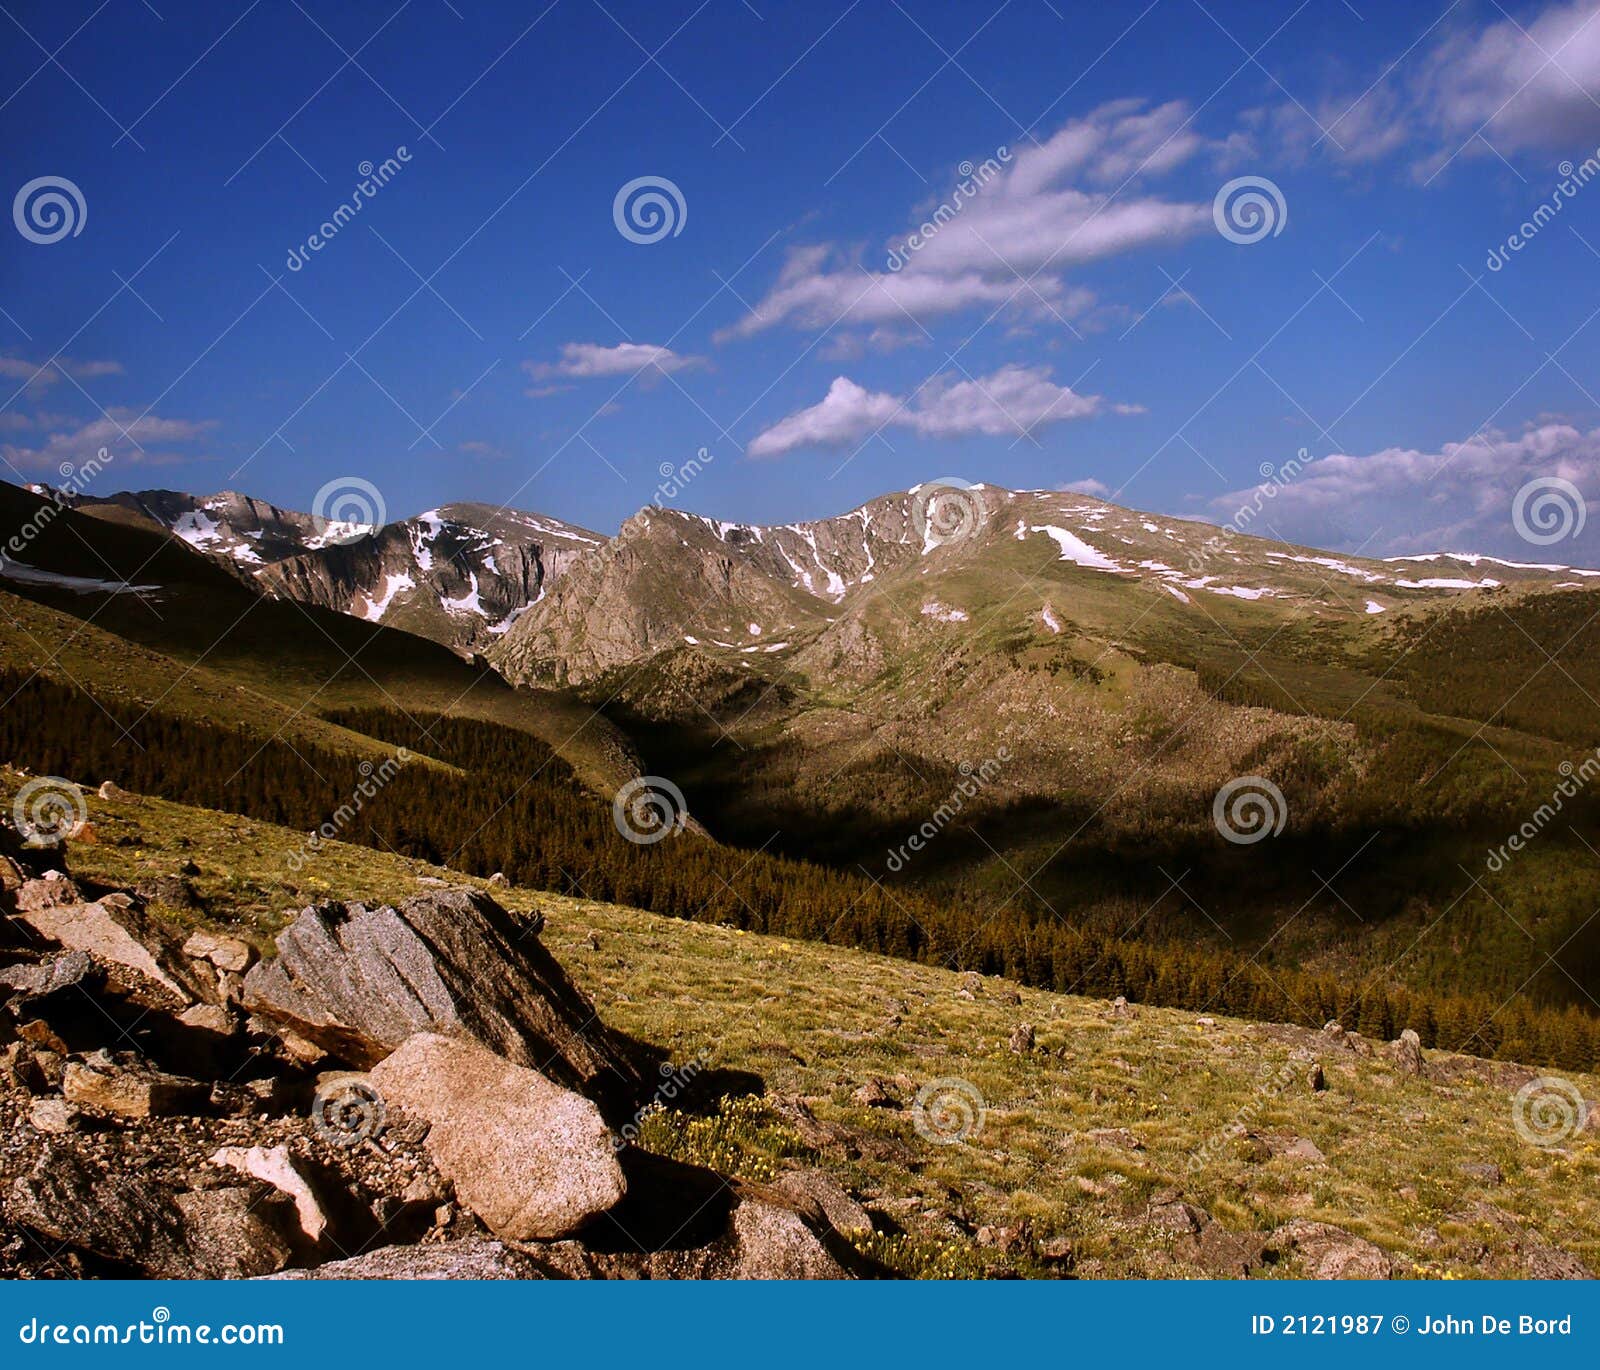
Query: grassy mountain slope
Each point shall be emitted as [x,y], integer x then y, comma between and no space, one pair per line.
[205,632]
[1085,1139]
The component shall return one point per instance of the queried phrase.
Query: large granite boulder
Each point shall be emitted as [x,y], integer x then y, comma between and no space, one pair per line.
[532,1159]
[358,981]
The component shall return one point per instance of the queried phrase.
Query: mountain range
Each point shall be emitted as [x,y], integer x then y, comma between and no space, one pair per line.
[1059,689]
[548,600]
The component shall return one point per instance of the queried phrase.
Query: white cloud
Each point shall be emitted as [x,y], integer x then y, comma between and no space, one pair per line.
[1033,216]
[1520,85]
[846,415]
[38,375]
[1402,500]
[584,361]
[1087,486]
[1013,400]
[123,433]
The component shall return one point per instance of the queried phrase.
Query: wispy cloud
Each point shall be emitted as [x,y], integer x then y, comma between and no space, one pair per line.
[1503,87]
[1087,486]
[1049,209]
[124,433]
[39,375]
[586,361]
[1014,400]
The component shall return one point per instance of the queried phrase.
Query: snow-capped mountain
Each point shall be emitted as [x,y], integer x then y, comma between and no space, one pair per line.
[460,574]
[812,593]
[547,600]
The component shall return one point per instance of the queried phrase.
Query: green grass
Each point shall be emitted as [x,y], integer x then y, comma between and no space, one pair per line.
[817,1022]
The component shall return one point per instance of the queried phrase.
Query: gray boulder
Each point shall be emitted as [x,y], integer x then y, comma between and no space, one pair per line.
[117,933]
[821,1198]
[473,1258]
[359,981]
[1406,1052]
[140,1223]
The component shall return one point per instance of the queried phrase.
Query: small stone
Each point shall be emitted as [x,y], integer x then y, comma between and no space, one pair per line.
[1407,1053]
[209,1018]
[876,1094]
[51,890]
[1304,1149]
[498,881]
[276,1167]
[1485,1172]
[109,789]
[1118,1137]
[54,1115]
[1056,1251]
[134,1091]
[1177,1217]
[423,1189]
[225,953]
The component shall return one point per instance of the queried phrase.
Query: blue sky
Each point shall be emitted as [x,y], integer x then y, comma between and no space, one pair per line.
[481,329]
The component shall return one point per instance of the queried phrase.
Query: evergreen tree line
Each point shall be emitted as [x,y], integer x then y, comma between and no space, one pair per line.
[515,806]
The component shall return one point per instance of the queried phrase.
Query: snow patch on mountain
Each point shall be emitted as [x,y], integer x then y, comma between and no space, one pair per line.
[1332,563]
[1075,549]
[378,606]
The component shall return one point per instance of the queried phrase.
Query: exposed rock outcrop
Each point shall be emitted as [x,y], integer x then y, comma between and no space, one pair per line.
[359,981]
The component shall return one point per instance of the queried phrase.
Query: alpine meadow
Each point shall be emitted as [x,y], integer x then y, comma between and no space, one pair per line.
[519,762]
